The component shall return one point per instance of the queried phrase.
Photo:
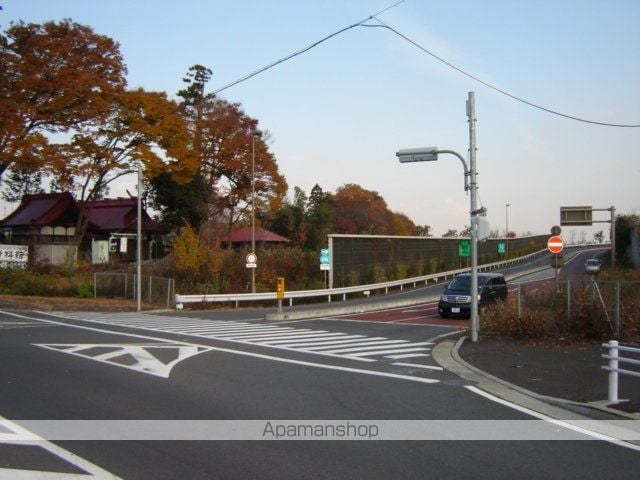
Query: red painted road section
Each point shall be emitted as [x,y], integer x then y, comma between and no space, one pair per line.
[424,314]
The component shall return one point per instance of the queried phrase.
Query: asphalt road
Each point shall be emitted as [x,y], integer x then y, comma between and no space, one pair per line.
[94,366]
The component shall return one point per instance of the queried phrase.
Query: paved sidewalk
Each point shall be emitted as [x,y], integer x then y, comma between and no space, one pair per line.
[570,373]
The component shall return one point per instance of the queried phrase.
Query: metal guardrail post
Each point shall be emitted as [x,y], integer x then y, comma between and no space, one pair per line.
[613,371]
[568,302]
[618,309]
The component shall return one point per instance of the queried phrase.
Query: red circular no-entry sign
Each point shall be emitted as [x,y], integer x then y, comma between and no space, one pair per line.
[555,244]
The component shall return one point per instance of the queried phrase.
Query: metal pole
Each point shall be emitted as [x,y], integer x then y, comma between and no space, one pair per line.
[613,374]
[507,232]
[613,236]
[568,303]
[618,309]
[253,208]
[471,113]
[254,133]
[139,244]
[331,266]
[519,301]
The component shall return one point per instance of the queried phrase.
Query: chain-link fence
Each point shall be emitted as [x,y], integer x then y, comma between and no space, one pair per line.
[158,291]
[573,309]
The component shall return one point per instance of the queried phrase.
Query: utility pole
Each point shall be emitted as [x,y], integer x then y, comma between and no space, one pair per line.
[471,113]
[139,244]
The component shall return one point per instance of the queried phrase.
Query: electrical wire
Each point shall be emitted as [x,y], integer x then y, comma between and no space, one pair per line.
[381,24]
[493,87]
[305,49]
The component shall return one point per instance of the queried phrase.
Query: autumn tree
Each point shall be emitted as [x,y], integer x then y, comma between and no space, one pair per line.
[290,220]
[144,128]
[221,138]
[54,77]
[361,211]
[194,259]
[424,231]
[20,182]
[321,217]
[228,164]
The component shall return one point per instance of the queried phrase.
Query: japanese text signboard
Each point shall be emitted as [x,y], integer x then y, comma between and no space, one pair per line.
[14,256]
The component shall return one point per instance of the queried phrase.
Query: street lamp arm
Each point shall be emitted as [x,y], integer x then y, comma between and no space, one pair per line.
[467,172]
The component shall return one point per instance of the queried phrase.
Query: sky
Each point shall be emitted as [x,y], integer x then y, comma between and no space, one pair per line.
[338,113]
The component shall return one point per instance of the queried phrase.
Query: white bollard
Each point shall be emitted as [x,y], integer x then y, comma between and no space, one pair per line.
[613,374]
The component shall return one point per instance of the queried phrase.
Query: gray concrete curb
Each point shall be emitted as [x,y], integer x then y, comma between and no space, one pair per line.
[447,356]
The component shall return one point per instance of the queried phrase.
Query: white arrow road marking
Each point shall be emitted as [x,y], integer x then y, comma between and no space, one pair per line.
[147,358]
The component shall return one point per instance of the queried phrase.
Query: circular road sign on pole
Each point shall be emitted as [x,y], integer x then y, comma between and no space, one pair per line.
[252,260]
[555,244]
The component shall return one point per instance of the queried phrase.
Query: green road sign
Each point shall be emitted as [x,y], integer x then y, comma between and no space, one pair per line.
[502,247]
[464,248]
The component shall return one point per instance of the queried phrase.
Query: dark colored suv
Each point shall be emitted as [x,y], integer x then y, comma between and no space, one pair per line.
[456,298]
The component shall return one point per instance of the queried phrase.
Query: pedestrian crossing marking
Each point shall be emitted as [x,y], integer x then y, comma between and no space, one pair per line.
[318,342]
[154,359]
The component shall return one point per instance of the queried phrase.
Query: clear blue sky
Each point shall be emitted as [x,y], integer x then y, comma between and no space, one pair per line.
[338,113]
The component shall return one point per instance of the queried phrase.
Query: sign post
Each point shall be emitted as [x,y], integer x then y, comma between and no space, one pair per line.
[583,216]
[280,293]
[325,264]
[555,244]
[252,260]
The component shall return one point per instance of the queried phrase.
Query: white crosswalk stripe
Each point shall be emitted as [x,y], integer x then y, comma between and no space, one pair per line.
[319,342]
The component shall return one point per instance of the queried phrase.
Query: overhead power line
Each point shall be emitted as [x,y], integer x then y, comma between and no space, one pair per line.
[493,87]
[381,24]
[305,49]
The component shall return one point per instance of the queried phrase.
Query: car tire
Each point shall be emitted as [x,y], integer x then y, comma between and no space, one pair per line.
[444,315]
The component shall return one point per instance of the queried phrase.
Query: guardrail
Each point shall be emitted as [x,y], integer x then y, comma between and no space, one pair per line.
[614,359]
[344,291]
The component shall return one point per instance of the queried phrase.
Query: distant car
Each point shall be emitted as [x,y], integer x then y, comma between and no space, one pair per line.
[456,298]
[592,266]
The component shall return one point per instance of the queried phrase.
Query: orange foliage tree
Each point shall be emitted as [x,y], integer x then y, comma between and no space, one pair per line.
[361,211]
[221,139]
[144,128]
[53,77]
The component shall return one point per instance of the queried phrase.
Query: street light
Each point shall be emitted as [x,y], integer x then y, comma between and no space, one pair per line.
[429,154]
[254,133]
[507,229]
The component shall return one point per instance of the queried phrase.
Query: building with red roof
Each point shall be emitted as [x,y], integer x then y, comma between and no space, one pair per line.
[48,223]
[243,235]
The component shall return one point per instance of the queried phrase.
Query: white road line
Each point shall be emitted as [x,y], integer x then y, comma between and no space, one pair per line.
[345,339]
[417,365]
[408,355]
[366,354]
[569,426]
[239,331]
[380,347]
[273,335]
[374,373]
[411,318]
[317,342]
[24,437]
[350,346]
[308,341]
